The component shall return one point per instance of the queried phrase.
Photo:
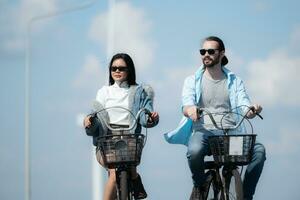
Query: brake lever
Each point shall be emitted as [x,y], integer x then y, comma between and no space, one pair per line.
[259,116]
[199,113]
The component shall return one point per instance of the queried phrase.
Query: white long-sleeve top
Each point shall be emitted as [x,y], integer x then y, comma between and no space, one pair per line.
[115,95]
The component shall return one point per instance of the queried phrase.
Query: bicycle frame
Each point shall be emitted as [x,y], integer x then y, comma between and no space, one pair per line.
[121,151]
[217,183]
[124,190]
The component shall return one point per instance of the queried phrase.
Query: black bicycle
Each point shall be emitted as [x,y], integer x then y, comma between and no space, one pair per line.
[121,149]
[223,176]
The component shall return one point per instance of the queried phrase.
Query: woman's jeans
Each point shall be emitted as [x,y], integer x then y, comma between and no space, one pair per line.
[198,148]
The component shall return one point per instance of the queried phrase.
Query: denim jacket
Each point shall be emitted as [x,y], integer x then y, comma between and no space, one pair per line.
[191,95]
[140,96]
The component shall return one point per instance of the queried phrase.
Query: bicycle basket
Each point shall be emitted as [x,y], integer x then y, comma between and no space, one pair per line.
[118,150]
[236,149]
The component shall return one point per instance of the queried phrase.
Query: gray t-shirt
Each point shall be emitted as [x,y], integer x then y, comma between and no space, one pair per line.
[215,98]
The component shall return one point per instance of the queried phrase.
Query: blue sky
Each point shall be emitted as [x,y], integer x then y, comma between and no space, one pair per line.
[69,63]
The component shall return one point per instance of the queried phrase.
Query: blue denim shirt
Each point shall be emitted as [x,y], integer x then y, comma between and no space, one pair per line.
[191,95]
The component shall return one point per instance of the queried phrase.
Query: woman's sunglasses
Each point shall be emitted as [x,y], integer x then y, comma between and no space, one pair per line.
[209,51]
[121,69]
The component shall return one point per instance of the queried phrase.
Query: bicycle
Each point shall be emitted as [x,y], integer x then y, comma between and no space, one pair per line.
[121,150]
[229,153]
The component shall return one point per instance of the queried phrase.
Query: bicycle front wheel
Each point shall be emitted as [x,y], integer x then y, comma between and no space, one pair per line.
[213,187]
[234,186]
[123,192]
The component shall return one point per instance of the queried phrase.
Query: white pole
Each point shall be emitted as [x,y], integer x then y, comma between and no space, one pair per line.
[98,173]
[27,167]
[111,30]
[97,178]
[27,108]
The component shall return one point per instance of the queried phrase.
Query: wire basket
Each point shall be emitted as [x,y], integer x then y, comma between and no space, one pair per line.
[236,149]
[119,150]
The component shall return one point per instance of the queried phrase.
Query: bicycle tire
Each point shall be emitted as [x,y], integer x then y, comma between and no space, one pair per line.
[234,186]
[213,188]
[123,192]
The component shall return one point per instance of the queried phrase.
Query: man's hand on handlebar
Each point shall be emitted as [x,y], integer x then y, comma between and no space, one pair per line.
[255,109]
[191,112]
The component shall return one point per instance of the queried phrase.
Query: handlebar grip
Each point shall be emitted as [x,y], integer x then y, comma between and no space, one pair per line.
[92,115]
[253,110]
[149,119]
[199,111]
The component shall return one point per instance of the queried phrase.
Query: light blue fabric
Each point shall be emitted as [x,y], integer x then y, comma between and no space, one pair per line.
[191,94]
[140,96]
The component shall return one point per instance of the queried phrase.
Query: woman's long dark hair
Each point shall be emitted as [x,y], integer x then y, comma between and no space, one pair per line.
[131,70]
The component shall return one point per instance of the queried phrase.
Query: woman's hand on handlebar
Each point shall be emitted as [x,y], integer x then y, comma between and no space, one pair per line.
[255,109]
[153,117]
[87,122]
[191,112]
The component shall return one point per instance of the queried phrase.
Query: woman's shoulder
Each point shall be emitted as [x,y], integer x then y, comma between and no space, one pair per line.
[149,90]
[145,88]
[103,88]
[102,91]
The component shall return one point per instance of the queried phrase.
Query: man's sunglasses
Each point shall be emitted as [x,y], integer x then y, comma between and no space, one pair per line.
[121,69]
[209,51]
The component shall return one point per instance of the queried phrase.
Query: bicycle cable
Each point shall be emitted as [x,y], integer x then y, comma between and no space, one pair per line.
[225,130]
[99,109]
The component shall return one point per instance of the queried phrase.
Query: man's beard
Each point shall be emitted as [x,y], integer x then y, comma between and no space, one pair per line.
[213,62]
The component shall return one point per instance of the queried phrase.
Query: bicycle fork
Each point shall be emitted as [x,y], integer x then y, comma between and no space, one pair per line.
[228,173]
[123,184]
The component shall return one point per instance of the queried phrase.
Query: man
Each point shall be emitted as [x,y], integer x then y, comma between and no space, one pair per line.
[218,90]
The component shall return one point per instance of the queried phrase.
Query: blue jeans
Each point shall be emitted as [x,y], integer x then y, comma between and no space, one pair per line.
[198,148]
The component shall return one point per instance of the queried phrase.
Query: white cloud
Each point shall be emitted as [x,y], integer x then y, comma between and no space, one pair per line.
[261,6]
[31,8]
[295,40]
[130,32]
[91,75]
[235,62]
[18,16]
[14,44]
[79,119]
[168,88]
[273,80]
[287,144]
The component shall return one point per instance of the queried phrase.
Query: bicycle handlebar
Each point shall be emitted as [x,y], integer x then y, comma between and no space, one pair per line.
[201,110]
[100,109]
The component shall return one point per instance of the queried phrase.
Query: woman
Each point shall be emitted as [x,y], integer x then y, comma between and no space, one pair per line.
[123,91]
